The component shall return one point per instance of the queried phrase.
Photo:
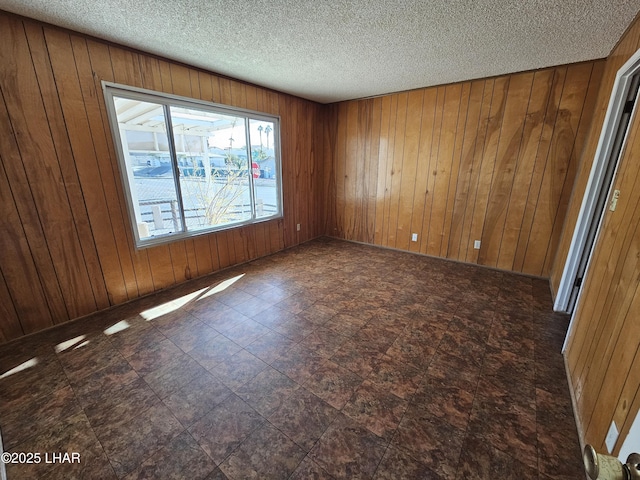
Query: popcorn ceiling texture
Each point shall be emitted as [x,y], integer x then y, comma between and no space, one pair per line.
[329,51]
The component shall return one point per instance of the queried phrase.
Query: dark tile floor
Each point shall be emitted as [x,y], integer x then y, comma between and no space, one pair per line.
[329,360]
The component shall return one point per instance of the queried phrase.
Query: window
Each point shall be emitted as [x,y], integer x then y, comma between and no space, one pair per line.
[191,167]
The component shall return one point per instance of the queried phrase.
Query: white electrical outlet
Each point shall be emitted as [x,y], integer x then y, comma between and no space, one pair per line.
[298,227]
[612,437]
[414,237]
[476,244]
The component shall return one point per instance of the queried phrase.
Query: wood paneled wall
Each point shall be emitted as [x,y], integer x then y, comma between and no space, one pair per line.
[66,248]
[491,160]
[603,352]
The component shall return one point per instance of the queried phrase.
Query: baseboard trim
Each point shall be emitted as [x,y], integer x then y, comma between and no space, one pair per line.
[444,259]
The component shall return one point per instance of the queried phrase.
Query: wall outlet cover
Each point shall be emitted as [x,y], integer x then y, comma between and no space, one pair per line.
[476,244]
[414,237]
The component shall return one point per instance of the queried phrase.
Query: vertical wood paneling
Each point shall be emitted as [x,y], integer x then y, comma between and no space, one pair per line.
[524,170]
[461,124]
[50,306]
[542,154]
[46,178]
[561,160]
[360,194]
[63,84]
[396,167]
[390,173]
[340,145]
[509,142]
[409,166]
[381,189]
[583,128]
[443,167]
[19,271]
[39,55]
[329,177]
[603,347]
[431,171]
[466,250]
[10,326]
[489,160]
[67,244]
[488,168]
[370,169]
[466,170]
[420,191]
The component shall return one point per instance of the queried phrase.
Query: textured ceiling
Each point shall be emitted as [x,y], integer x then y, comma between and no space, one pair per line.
[335,50]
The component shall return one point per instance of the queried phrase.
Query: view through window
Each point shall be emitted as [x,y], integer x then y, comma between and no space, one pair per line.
[191,167]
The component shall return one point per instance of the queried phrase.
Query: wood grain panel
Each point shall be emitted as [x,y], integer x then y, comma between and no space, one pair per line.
[32,232]
[19,271]
[10,327]
[507,156]
[390,173]
[561,159]
[516,218]
[64,84]
[467,252]
[423,238]
[370,170]
[46,178]
[603,347]
[409,166]
[489,160]
[42,66]
[500,89]
[542,154]
[381,184]
[582,131]
[464,181]
[461,124]
[443,168]
[420,192]
[353,148]
[67,226]
[396,168]
[329,126]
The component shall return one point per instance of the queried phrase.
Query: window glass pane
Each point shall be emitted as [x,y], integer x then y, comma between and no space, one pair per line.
[190,167]
[148,167]
[264,168]
[214,169]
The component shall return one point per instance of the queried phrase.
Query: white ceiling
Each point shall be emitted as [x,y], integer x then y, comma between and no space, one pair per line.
[329,51]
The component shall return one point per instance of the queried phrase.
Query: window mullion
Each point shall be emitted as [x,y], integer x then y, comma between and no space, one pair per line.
[176,168]
[252,186]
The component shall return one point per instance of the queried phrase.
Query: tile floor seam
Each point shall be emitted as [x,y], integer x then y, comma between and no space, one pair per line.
[349,278]
[475,398]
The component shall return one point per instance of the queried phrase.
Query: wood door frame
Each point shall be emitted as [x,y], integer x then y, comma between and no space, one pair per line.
[610,127]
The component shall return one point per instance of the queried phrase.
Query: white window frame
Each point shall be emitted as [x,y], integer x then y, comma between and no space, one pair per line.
[113,89]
